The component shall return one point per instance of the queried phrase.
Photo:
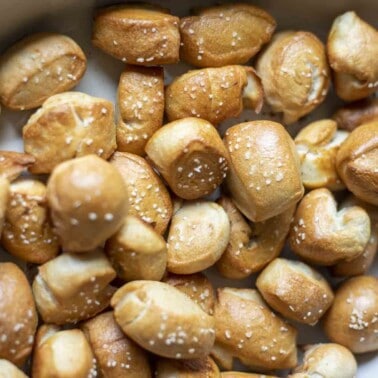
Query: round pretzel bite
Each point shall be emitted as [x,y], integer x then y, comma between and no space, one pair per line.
[224,34]
[327,361]
[27,232]
[294,73]
[317,145]
[116,355]
[149,199]
[18,322]
[12,164]
[140,34]
[4,195]
[78,124]
[88,202]
[62,354]
[140,99]
[163,320]
[38,67]
[252,245]
[73,287]
[352,320]
[295,290]
[137,251]
[322,235]
[248,330]
[8,370]
[214,94]
[357,161]
[198,235]
[190,156]
[352,49]
[264,176]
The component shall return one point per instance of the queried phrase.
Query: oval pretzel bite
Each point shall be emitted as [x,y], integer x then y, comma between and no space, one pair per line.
[214,94]
[137,251]
[198,235]
[352,49]
[264,178]
[352,320]
[8,370]
[163,320]
[78,124]
[12,164]
[190,156]
[18,323]
[116,355]
[224,34]
[294,73]
[141,34]
[73,287]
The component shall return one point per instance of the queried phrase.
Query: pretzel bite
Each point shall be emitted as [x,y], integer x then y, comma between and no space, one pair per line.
[62,354]
[328,361]
[196,286]
[264,178]
[141,107]
[190,156]
[248,330]
[238,374]
[8,370]
[294,73]
[88,202]
[137,251]
[78,125]
[116,355]
[295,290]
[12,164]
[18,316]
[252,245]
[322,235]
[357,162]
[163,320]
[148,197]
[352,49]
[4,195]
[214,94]
[38,67]
[225,34]
[73,287]
[27,232]
[317,145]
[198,235]
[352,320]
[141,34]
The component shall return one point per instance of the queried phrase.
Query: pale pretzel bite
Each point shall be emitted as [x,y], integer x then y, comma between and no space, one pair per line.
[198,235]
[264,177]
[73,287]
[251,245]
[196,286]
[140,34]
[352,320]
[12,164]
[88,202]
[294,73]
[38,67]
[327,361]
[248,330]
[163,320]
[237,374]
[214,94]
[225,34]
[4,195]
[27,232]
[352,49]
[295,290]
[140,100]
[357,162]
[62,354]
[137,251]
[18,321]
[116,355]
[78,125]
[321,234]
[8,370]
[190,156]
[149,199]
